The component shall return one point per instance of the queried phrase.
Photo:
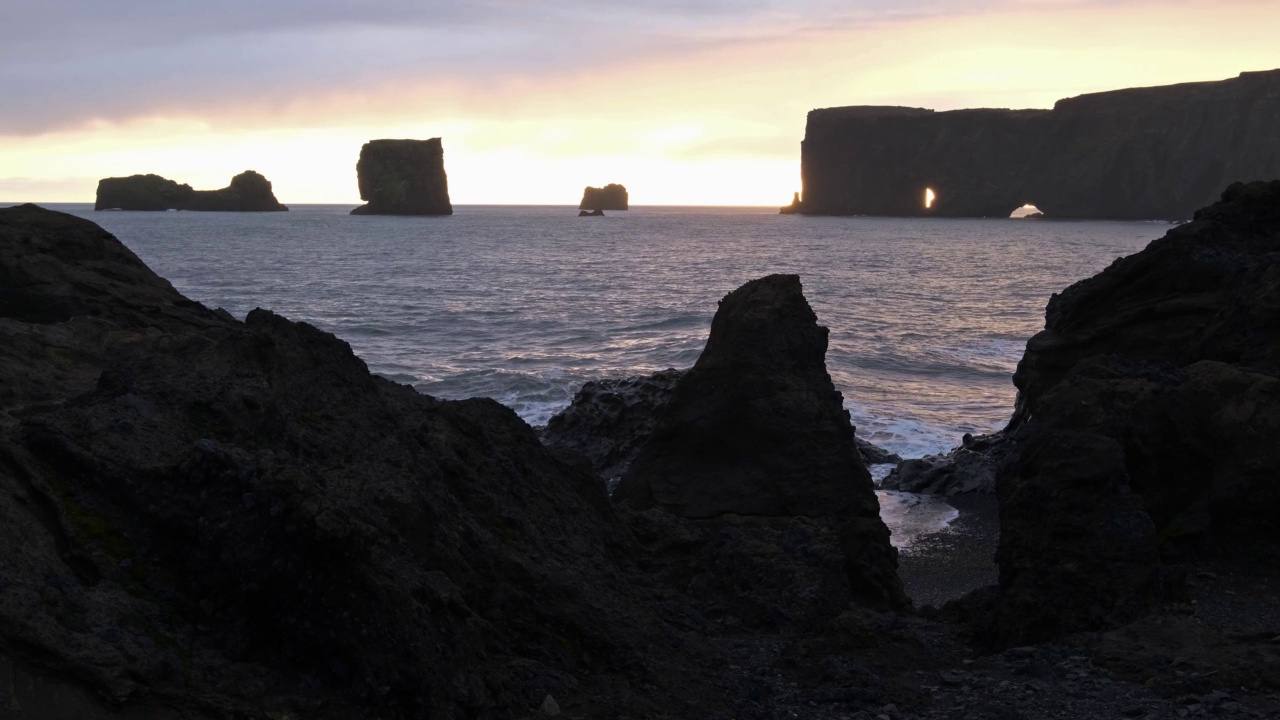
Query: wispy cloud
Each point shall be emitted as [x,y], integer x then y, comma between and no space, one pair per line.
[65,63]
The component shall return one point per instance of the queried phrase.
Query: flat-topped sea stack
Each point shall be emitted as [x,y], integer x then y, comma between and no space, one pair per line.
[403,177]
[610,197]
[248,192]
[1141,153]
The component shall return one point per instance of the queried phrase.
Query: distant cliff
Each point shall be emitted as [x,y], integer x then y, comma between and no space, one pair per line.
[403,177]
[248,192]
[1142,153]
[610,197]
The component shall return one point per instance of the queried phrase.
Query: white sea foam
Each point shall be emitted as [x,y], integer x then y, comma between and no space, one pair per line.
[910,516]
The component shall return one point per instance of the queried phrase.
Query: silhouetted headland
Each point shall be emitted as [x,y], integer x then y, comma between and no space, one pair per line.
[248,192]
[1142,153]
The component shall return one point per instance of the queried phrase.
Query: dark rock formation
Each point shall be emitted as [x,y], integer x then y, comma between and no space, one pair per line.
[248,192]
[1141,153]
[795,207]
[1146,425]
[591,213]
[403,177]
[219,518]
[609,420]
[756,427]
[610,197]
[970,468]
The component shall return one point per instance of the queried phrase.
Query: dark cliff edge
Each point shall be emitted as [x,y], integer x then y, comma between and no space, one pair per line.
[1144,438]
[403,177]
[248,192]
[1141,153]
[610,197]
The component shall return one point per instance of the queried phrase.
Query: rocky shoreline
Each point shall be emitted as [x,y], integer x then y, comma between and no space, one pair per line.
[211,518]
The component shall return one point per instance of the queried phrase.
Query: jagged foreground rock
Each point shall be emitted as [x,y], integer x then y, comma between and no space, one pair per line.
[609,420]
[248,192]
[403,177]
[225,517]
[1146,426]
[756,427]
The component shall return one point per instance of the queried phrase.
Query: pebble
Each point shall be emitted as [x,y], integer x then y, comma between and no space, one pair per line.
[550,707]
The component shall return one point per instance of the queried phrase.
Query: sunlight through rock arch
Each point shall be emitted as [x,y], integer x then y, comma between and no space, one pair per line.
[929,197]
[1027,211]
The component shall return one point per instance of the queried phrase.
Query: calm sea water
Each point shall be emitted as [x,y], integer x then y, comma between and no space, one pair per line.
[928,317]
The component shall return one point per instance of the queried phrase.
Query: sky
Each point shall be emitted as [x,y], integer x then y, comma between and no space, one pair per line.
[700,102]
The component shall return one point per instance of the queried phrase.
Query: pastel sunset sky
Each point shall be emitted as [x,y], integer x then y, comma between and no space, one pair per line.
[700,102]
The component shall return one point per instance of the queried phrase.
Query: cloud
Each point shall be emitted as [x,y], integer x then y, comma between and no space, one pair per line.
[75,62]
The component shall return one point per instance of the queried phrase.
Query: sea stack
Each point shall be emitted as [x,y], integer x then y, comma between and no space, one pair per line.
[1135,154]
[248,192]
[403,177]
[610,197]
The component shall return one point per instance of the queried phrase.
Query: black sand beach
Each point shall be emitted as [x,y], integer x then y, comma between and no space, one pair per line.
[945,565]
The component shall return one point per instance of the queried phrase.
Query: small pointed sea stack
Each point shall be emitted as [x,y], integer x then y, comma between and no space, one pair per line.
[403,177]
[756,427]
[610,197]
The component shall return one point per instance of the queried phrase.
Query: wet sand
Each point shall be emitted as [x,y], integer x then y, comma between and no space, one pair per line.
[945,565]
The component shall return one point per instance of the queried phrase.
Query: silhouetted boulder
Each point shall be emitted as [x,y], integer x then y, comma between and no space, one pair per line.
[1146,424]
[609,197]
[248,192]
[795,207]
[1140,153]
[403,177]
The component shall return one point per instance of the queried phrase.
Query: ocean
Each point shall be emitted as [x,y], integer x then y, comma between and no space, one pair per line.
[928,317]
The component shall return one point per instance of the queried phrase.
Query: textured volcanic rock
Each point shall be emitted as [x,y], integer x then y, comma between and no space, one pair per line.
[609,420]
[403,177]
[229,518]
[970,468]
[1146,425]
[756,427]
[248,192]
[1139,153]
[610,197]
